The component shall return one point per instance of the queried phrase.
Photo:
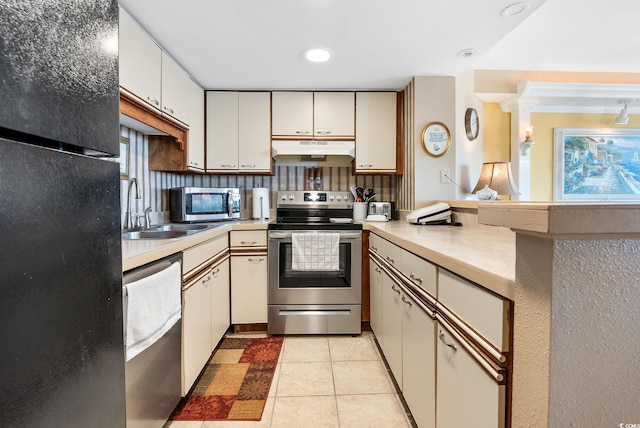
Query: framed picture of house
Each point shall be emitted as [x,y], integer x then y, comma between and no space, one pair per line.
[596,164]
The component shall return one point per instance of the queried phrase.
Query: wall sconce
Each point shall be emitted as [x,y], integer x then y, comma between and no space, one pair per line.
[528,141]
[495,179]
[623,117]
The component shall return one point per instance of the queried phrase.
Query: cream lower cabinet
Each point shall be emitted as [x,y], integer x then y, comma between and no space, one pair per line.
[375,292]
[418,362]
[249,277]
[220,301]
[205,304]
[196,327]
[249,289]
[467,395]
[392,326]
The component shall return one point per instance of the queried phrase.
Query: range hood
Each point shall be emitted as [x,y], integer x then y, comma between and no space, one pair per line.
[312,148]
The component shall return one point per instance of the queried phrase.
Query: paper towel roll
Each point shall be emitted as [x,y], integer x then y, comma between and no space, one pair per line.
[260,198]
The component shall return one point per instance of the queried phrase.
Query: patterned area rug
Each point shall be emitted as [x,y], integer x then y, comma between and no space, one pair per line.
[235,383]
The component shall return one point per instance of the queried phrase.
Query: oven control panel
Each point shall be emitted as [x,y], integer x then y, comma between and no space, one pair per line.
[310,198]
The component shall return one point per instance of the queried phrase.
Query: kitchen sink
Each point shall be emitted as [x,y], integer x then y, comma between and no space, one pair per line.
[167,231]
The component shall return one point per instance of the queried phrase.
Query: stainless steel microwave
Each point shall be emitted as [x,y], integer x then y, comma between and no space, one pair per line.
[193,204]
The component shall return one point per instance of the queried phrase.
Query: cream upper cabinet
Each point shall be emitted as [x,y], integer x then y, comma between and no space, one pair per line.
[238,131]
[376,131]
[222,131]
[254,138]
[140,62]
[195,138]
[320,115]
[292,114]
[334,114]
[175,90]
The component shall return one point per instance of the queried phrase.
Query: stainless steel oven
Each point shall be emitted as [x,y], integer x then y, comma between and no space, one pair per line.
[317,300]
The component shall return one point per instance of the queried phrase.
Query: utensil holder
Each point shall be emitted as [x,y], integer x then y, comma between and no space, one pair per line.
[360,210]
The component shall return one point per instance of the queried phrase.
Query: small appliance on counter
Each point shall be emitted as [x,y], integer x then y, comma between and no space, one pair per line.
[386,209]
[435,215]
[194,204]
[260,196]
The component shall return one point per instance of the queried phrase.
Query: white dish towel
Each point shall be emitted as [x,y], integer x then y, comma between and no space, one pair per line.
[315,251]
[153,307]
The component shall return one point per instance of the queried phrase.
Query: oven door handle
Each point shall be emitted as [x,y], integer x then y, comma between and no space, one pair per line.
[287,235]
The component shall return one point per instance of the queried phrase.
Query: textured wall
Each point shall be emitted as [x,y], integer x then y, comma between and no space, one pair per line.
[576,333]
[595,340]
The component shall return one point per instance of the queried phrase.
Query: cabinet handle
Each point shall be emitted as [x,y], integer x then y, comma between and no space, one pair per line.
[227,166]
[365,166]
[217,271]
[169,109]
[378,270]
[207,279]
[256,260]
[415,278]
[393,287]
[248,242]
[248,166]
[374,249]
[450,345]
[302,132]
[390,260]
[319,132]
[406,301]
[153,101]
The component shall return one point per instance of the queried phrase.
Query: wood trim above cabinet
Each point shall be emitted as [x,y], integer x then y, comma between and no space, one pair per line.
[135,109]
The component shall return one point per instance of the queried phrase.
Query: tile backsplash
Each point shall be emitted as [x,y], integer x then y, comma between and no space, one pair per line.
[153,184]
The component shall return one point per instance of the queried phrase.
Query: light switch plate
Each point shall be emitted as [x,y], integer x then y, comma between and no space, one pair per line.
[445,175]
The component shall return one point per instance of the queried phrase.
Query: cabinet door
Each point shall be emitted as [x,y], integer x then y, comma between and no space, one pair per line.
[196,328]
[220,302]
[376,131]
[392,326]
[467,395]
[334,114]
[175,90]
[140,62]
[254,135]
[222,131]
[195,138]
[249,289]
[418,362]
[375,285]
[292,114]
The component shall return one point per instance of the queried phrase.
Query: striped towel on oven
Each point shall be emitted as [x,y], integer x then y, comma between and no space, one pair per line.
[317,251]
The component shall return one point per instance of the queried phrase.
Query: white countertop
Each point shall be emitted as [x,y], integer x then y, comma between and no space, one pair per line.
[139,252]
[482,254]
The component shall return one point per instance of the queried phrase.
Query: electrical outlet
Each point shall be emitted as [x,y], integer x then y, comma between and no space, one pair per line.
[445,176]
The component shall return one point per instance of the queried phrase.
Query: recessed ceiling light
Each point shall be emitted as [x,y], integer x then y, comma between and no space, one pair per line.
[317,54]
[516,9]
[466,53]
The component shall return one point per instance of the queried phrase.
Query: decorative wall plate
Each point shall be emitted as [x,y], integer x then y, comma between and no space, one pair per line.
[436,139]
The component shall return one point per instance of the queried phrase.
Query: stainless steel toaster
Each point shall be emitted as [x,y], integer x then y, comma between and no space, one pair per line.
[382,208]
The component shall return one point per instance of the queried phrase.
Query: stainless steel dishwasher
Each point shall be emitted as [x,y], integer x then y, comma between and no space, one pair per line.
[153,377]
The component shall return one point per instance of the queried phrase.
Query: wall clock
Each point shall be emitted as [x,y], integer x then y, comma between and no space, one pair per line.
[471,124]
[436,139]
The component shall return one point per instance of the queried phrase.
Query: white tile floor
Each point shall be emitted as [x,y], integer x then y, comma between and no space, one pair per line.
[326,381]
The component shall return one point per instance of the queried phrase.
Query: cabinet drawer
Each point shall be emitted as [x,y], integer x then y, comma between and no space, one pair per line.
[421,272]
[375,243]
[484,312]
[195,256]
[249,238]
[392,254]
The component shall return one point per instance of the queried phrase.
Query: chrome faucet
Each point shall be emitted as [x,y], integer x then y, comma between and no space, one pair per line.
[128,223]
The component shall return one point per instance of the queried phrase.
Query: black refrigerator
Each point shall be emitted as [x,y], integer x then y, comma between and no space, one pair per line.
[61,341]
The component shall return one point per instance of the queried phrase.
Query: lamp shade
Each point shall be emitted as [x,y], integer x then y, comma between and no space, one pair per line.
[497,175]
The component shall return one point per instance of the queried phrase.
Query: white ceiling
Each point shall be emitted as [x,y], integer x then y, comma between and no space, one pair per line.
[381,44]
